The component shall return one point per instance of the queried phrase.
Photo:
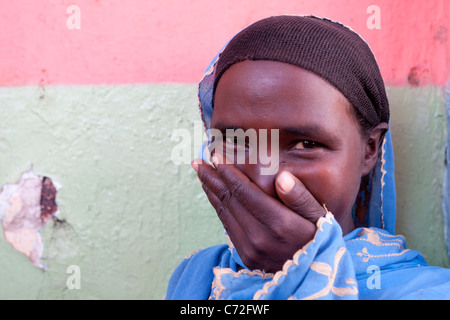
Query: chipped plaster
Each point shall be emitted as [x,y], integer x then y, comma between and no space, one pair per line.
[21,217]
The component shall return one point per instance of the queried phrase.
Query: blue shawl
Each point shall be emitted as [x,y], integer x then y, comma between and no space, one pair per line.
[368,263]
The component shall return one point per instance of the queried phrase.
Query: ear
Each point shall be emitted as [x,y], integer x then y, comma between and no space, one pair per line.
[373,143]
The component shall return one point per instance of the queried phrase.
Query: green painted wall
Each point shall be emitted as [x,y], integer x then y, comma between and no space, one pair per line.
[130,215]
[419,133]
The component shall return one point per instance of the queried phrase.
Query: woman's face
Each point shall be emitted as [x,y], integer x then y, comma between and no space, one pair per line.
[319,139]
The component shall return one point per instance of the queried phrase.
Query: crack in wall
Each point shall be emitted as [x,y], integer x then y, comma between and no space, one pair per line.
[25,207]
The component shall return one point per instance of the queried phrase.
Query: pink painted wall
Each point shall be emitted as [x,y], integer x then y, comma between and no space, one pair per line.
[141,41]
[109,147]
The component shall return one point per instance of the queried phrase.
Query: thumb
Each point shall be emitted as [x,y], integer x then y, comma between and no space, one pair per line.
[295,196]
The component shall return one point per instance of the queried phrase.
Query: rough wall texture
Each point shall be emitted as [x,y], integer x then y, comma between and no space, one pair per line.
[91,109]
[419,130]
[139,41]
[128,215]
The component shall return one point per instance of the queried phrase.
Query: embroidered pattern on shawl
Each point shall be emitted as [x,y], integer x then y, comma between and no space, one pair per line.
[330,266]
[322,274]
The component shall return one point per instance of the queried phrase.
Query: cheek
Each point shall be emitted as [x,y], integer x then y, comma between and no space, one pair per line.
[332,184]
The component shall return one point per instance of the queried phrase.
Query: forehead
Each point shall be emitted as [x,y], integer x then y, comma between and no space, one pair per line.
[278,95]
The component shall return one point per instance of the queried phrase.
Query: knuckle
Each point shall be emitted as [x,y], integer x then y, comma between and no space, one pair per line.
[205,189]
[280,228]
[224,195]
[238,191]
[201,174]
[301,199]
[221,213]
[236,188]
[258,248]
[251,259]
[305,204]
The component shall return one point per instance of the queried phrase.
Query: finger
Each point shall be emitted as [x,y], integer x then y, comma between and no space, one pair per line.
[244,192]
[210,178]
[295,196]
[232,227]
[216,190]
[224,198]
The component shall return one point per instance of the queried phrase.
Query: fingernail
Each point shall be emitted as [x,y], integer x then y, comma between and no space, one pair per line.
[285,181]
[215,160]
[195,164]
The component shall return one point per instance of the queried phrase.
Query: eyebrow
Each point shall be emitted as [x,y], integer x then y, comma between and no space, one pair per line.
[312,131]
[308,130]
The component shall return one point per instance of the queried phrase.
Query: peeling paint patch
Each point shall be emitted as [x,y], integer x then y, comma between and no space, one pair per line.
[418,75]
[25,208]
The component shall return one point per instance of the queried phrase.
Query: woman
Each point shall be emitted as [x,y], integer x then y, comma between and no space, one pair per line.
[321,225]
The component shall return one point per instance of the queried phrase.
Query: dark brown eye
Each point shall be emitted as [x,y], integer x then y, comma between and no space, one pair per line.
[306,144]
